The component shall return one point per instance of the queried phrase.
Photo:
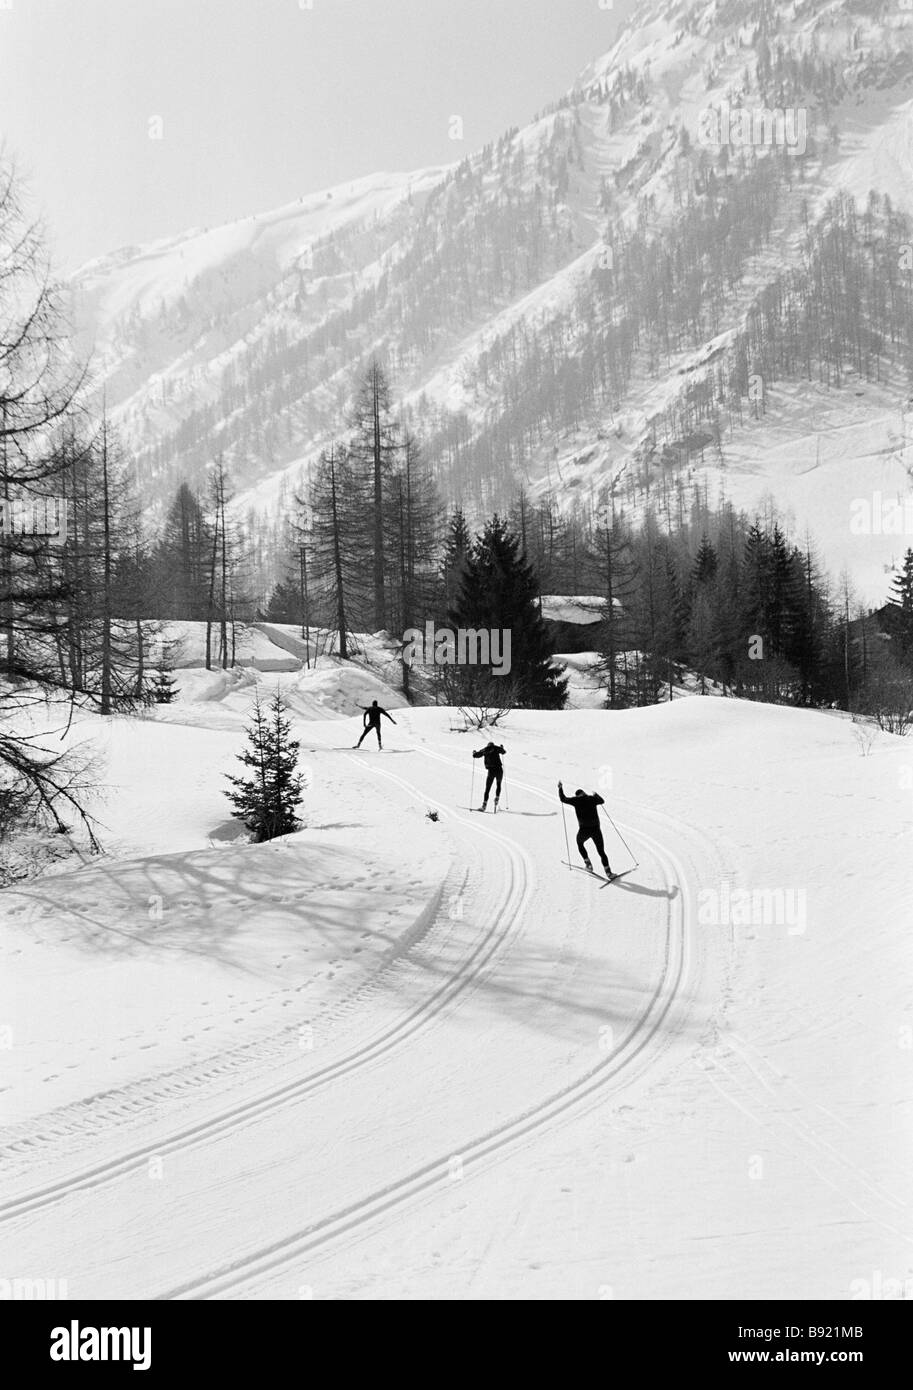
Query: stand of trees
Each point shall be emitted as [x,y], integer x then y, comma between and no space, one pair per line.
[692,589]
[83,576]
[731,600]
[39,393]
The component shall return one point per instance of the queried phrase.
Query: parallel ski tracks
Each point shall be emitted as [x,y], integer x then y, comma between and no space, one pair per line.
[504,921]
[592,1087]
[615,1068]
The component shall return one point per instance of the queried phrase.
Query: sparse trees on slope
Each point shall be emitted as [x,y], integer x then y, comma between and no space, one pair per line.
[105,632]
[375,449]
[182,560]
[222,576]
[342,578]
[37,389]
[414,543]
[615,578]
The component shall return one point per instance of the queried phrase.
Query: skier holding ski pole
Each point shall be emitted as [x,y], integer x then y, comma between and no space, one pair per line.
[372,715]
[588,827]
[621,838]
[492,753]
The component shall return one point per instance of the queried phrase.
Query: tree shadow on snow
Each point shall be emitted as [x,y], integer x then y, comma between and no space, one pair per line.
[594,992]
[208,904]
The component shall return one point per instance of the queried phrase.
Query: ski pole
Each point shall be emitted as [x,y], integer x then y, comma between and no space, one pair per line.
[472,794]
[567,848]
[621,837]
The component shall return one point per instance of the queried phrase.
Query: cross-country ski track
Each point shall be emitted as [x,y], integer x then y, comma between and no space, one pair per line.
[467,1116]
[512,882]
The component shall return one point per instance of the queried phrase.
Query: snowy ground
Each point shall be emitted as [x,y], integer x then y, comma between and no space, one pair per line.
[396,1057]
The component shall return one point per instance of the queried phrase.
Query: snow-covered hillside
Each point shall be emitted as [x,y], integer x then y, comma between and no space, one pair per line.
[391,1056]
[243,340]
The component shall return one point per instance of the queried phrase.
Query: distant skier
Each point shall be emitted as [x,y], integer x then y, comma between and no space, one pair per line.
[372,721]
[588,827]
[492,753]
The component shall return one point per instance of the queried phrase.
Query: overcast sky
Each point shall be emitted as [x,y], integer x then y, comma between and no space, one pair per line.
[261,100]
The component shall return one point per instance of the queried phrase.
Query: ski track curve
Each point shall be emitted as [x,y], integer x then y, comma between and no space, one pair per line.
[616,1070]
[504,921]
[591,1088]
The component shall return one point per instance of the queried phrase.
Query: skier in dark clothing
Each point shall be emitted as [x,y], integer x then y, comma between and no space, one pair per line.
[372,721]
[588,827]
[492,754]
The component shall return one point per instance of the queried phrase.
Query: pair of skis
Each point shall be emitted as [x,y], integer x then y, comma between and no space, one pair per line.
[580,869]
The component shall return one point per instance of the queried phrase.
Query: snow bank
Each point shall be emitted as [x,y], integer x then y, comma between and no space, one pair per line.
[578,608]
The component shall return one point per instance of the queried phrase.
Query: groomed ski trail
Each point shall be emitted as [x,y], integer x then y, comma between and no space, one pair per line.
[637,1051]
[616,1071]
[504,920]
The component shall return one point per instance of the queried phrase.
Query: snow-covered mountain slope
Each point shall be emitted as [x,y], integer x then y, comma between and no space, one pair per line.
[581,305]
[395,1057]
[166,322]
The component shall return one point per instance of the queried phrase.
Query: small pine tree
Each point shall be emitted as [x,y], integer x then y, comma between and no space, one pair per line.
[705,563]
[266,799]
[902,584]
[457,550]
[164,690]
[901,598]
[283,604]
